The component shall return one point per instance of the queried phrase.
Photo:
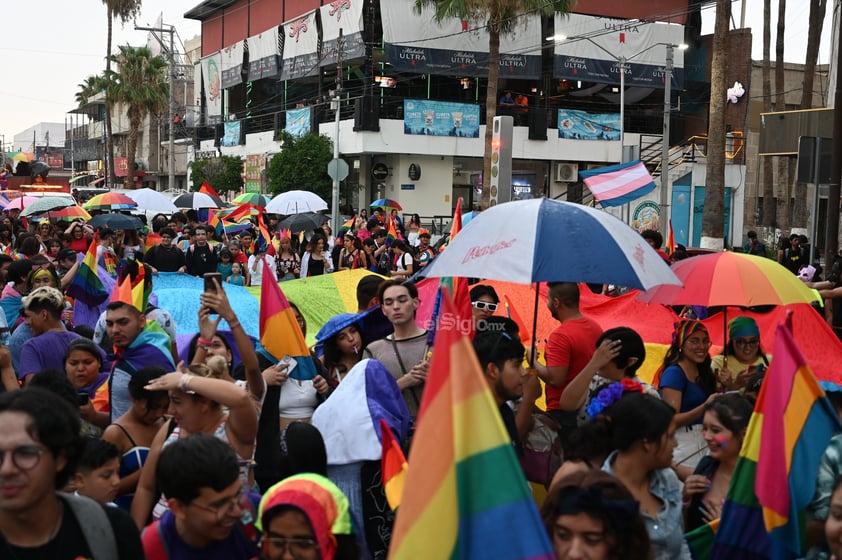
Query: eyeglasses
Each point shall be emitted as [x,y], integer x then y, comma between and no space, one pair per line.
[746,342]
[24,457]
[484,305]
[228,507]
[297,546]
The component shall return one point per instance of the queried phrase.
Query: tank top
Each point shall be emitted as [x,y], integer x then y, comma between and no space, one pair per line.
[130,462]
[298,399]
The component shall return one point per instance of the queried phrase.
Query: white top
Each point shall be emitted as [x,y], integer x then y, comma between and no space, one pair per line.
[298,399]
[256,268]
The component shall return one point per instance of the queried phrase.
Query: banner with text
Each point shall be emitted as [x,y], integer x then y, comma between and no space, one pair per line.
[254,166]
[440,118]
[579,125]
[298,121]
[592,48]
[301,47]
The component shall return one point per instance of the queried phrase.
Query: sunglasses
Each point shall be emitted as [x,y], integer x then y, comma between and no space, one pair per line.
[484,305]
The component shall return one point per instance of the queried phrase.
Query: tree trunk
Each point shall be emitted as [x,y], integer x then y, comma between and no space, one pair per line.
[131,151]
[785,202]
[769,218]
[814,33]
[109,139]
[491,100]
[713,219]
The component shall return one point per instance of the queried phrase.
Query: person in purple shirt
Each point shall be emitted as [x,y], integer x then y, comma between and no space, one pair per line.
[42,310]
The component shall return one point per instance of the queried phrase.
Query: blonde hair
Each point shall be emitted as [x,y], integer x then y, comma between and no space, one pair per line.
[45,297]
[211,368]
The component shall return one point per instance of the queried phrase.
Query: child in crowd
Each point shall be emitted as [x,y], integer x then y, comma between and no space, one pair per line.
[236,276]
[224,266]
[96,474]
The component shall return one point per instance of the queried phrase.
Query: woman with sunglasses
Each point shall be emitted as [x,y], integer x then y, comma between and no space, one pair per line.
[743,357]
[133,432]
[484,302]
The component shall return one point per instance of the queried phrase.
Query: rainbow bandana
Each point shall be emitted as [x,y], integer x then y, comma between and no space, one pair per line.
[685,329]
[322,502]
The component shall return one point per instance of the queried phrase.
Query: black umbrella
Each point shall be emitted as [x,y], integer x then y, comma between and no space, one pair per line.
[303,222]
[115,221]
[198,200]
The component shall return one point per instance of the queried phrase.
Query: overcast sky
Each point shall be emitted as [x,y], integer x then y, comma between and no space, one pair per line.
[51,47]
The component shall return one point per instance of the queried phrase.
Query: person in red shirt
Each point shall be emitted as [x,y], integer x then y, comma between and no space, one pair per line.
[569,349]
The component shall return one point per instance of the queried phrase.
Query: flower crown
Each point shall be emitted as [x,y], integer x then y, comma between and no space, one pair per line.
[611,394]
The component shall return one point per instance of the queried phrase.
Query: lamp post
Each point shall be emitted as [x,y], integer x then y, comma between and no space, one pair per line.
[665,144]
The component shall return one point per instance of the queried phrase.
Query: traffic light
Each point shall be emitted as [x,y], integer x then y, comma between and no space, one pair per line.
[501,161]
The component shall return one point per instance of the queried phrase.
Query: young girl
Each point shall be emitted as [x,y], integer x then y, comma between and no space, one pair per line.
[224,265]
[288,261]
[236,276]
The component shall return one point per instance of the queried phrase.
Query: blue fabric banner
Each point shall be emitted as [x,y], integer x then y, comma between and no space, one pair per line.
[440,118]
[232,134]
[579,125]
[298,121]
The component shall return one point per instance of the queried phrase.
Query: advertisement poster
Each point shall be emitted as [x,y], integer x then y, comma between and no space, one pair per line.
[440,118]
[579,125]
[232,134]
[254,166]
[298,121]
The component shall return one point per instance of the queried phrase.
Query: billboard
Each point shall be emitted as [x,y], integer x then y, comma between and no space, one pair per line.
[440,118]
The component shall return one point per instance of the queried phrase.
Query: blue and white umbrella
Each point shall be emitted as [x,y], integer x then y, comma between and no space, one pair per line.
[544,240]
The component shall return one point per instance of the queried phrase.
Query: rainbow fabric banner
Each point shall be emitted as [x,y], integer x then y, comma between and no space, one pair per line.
[775,476]
[86,285]
[469,497]
[280,334]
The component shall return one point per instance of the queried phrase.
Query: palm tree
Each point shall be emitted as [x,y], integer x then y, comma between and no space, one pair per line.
[91,86]
[713,218]
[499,17]
[769,217]
[814,33]
[125,10]
[140,85]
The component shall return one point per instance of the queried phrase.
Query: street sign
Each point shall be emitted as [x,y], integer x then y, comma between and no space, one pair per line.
[337,169]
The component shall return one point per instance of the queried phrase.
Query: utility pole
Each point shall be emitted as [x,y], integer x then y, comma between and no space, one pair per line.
[665,144]
[338,101]
[171,57]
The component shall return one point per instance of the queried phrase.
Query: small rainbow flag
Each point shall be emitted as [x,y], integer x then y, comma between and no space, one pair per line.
[86,285]
[456,224]
[775,476]
[393,466]
[264,239]
[468,489]
[350,223]
[391,231]
[280,334]
[670,239]
[208,189]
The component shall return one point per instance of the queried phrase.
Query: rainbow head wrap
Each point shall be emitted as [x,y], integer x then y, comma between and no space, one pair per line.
[319,499]
[684,329]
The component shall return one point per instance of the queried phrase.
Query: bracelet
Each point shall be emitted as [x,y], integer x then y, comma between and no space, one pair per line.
[184,382]
[204,342]
[234,324]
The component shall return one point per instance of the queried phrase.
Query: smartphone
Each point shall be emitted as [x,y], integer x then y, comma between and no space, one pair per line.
[290,362]
[82,398]
[210,286]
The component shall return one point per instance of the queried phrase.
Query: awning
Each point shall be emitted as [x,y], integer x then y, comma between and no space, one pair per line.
[416,43]
[347,16]
[595,59]
[232,65]
[264,55]
[301,47]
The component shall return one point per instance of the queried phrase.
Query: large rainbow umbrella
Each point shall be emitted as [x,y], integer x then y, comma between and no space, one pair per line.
[110,201]
[71,213]
[255,199]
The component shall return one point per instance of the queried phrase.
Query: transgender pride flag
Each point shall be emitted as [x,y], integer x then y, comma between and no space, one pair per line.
[616,185]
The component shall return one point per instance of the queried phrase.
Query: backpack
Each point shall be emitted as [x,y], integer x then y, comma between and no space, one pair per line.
[95,525]
[384,263]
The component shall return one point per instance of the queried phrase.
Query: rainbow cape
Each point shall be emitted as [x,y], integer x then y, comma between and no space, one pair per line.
[393,466]
[775,476]
[469,497]
[280,334]
[86,285]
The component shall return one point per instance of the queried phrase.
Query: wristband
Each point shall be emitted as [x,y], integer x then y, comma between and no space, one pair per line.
[234,324]
[184,382]
[204,342]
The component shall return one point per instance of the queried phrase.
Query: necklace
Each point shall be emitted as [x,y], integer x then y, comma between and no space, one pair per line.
[48,542]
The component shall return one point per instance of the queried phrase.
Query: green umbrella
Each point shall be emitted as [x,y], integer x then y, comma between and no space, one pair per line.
[48,204]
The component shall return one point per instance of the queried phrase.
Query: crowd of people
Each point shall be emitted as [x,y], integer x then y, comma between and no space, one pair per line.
[111,446]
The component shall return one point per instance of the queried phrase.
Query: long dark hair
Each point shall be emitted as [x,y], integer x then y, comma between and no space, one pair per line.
[706,379]
[333,355]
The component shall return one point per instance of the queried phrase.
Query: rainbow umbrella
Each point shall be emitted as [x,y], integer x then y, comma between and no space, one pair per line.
[255,199]
[110,201]
[71,213]
[386,203]
[731,279]
[23,156]
[225,212]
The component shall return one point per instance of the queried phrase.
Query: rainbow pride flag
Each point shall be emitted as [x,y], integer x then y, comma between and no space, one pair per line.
[208,189]
[86,285]
[280,334]
[469,497]
[393,466]
[775,476]
[391,231]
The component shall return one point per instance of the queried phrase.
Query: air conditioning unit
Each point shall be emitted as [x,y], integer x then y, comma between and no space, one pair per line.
[567,173]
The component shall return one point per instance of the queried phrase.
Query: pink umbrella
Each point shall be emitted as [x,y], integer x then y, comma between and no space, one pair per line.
[21,202]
